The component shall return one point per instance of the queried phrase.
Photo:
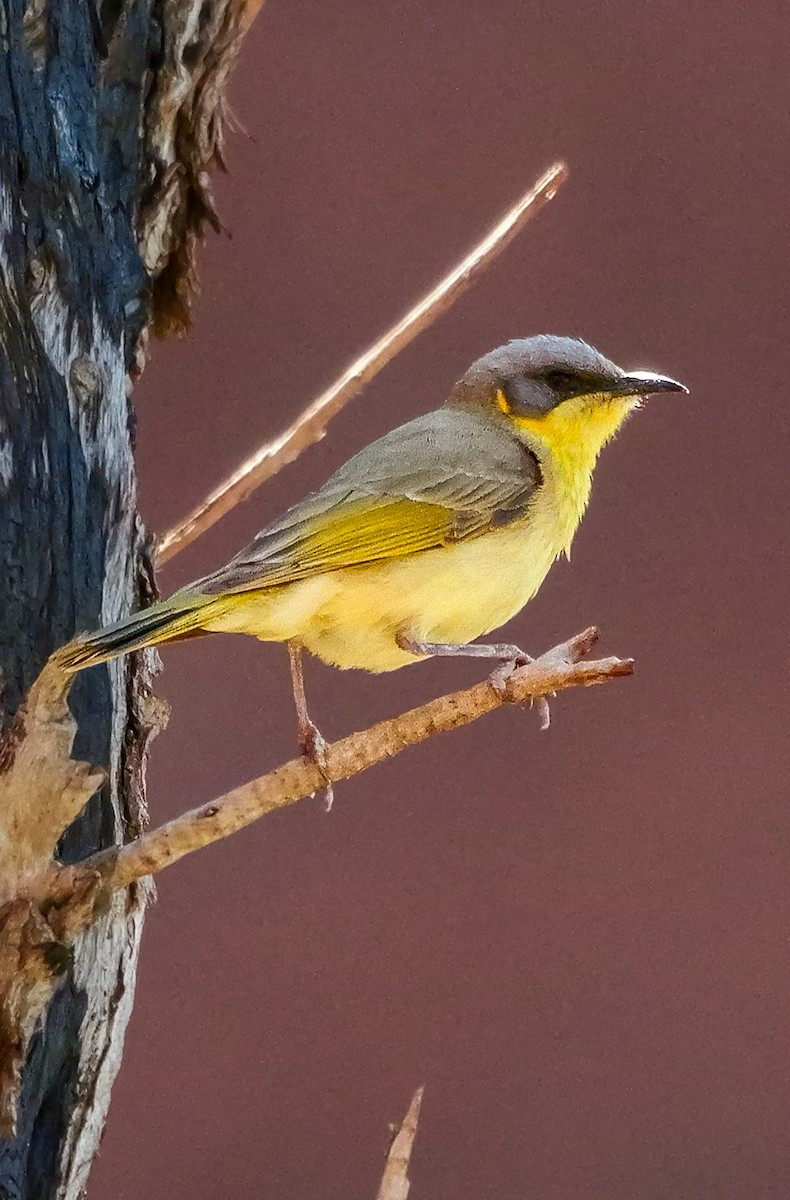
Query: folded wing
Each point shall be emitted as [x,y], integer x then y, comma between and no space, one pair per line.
[440,479]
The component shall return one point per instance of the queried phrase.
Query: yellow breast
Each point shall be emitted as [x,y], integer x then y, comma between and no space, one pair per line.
[454,594]
[350,618]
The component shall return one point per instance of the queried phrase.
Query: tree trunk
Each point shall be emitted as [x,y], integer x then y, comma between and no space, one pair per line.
[110,116]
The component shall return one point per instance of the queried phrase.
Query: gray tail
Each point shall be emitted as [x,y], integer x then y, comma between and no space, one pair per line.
[165,622]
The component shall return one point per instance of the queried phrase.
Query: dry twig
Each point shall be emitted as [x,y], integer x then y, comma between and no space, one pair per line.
[44,906]
[395,1180]
[560,668]
[311,425]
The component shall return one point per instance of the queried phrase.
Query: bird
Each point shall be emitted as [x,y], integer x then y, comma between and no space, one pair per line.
[430,537]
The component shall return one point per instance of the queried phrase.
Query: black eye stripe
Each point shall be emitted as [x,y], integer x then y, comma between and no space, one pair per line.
[537,393]
[573,383]
[564,381]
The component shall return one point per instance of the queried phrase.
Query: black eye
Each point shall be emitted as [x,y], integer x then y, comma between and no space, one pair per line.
[562,381]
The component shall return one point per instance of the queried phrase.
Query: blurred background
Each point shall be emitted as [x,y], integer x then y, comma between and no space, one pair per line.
[578,940]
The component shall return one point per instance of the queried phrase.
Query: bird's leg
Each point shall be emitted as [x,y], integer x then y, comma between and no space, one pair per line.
[311,741]
[510,658]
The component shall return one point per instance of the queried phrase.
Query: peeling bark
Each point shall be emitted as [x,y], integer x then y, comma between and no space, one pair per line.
[184,124]
[110,120]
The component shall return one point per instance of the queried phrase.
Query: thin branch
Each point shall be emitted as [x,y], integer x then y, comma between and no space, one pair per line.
[395,1180]
[116,868]
[44,905]
[311,425]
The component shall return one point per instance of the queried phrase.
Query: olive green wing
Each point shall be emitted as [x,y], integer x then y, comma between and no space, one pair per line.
[440,479]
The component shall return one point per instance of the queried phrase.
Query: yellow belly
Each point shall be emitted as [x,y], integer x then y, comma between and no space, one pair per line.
[350,618]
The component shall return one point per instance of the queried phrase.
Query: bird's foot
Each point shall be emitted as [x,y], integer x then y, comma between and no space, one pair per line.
[500,681]
[313,746]
[510,659]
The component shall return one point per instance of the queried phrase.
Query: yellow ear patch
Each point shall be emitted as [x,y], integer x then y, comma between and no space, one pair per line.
[502,403]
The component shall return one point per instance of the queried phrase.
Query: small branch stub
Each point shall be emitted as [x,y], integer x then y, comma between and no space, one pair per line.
[395,1180]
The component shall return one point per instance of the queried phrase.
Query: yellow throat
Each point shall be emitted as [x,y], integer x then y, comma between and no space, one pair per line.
[567,441]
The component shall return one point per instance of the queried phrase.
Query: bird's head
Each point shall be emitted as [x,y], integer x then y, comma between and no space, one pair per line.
[557,390]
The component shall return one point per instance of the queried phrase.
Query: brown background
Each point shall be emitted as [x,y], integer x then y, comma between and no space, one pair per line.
[578,940]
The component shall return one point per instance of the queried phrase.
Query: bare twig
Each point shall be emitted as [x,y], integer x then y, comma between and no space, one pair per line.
[395,1180]
[310,426]
[44,906]
[558,669]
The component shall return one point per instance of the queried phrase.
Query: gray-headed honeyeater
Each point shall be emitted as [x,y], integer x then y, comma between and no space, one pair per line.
[430,537]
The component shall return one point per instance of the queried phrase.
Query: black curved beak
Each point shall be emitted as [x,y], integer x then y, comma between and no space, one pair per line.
[645,383]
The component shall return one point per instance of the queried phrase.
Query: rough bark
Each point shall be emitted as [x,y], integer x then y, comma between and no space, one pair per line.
[110,118]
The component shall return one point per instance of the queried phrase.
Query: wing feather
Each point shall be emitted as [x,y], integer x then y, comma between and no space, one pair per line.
[440,479]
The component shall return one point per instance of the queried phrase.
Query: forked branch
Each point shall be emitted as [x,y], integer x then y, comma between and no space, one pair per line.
[311,424]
